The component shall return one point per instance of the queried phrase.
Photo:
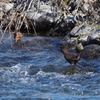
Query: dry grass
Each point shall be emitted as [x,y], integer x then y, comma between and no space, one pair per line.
[16,17]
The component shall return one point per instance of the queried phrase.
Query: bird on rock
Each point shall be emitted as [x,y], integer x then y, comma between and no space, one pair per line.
[71,58]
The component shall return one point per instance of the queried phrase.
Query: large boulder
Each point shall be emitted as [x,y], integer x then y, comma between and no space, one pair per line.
[78,34]
[67,24]
[43,15]
[91,51]
[81,32]
[35,15]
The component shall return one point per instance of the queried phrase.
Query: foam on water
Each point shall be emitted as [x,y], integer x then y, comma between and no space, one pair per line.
[17,83]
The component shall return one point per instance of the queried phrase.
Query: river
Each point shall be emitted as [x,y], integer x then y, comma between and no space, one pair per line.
[31,70]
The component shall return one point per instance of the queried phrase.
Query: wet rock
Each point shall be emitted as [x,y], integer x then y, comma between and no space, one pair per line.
[33,70]
[73,69]
[94,37]
[64,27]
[68,43]
[39,15]
[81,32]
[91,51]
[67,24]
[52,68]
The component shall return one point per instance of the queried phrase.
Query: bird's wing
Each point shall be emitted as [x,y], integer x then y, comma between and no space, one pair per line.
[75,58]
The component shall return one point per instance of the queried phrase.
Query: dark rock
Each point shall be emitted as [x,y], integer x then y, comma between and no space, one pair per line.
[64,27]
[91,51]
[73,69]
[67,24]
[69,43]
[33,70]
[94,37]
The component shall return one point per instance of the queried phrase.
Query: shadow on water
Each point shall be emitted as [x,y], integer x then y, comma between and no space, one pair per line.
[35,69]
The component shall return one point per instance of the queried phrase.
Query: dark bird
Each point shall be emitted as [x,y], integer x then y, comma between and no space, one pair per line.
[72,59]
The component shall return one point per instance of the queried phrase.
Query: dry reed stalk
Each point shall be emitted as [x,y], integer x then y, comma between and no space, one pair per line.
[18,19]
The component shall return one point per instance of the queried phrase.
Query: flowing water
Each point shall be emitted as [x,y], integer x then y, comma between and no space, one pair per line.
[31,70]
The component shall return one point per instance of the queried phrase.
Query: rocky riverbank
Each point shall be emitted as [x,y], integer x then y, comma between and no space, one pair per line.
[76,23]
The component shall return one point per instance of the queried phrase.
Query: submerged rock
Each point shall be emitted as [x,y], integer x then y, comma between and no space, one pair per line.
[63,28]
[73,69]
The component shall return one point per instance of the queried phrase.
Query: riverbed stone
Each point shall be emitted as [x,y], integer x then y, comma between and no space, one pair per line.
[94,37]
[91,51]
[73,69]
